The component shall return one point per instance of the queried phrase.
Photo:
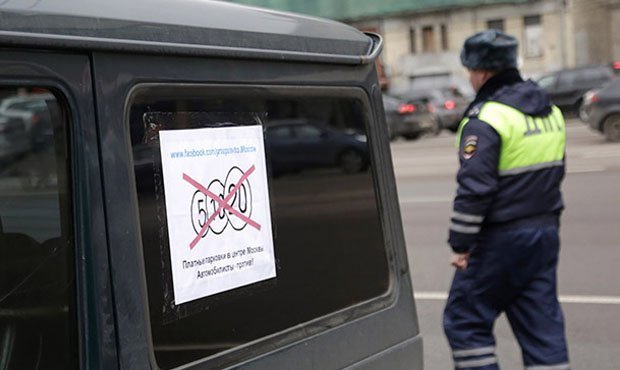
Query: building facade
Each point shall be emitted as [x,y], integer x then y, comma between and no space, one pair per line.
[426,45]
[423,37]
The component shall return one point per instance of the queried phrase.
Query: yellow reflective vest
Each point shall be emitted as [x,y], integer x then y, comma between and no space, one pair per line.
[528,143]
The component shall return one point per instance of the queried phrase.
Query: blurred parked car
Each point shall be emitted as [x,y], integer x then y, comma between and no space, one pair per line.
[14,140]
[448,103]
[586,104]
[409,119]
[567,87]
[299,144]
[604,110]
[29,108]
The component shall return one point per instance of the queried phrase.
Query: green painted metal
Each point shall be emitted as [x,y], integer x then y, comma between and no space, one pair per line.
[359,9]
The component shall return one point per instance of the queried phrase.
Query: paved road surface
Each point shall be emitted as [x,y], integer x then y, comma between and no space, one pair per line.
[589,281]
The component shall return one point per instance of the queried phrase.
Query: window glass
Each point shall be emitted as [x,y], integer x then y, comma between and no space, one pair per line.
[283,132]
[428,39]
[593,75]
[445,46]
[307,131]
[533,36]
[547,82]
[327,237]
[37,285]
[567,79]
[413,47]
[496,24]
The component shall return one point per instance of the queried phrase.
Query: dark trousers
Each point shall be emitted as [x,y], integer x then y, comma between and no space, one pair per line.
[511,271]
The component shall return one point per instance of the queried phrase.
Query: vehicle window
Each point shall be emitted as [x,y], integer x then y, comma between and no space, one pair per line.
[547,82]
[327,237]
[567,79]
[279,132]
[307,132]
[37,284]
[587,76]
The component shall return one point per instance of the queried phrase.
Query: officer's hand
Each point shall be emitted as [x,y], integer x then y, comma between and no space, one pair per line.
[459,260]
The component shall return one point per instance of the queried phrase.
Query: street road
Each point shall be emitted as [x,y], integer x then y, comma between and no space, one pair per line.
[589,285]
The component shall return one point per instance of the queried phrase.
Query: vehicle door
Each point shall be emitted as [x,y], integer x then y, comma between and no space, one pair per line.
[568,91]
[329,271]
[55,298]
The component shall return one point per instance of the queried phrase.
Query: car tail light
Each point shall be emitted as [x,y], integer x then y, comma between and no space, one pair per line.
[406,108]
[449,104]
[616,65]
[594,98]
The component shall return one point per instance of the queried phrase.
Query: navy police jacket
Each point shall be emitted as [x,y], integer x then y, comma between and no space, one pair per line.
[511,153]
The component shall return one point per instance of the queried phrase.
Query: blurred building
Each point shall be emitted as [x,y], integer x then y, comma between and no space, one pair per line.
[423,37]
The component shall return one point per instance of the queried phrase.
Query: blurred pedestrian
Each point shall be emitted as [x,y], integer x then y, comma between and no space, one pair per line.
[505,220]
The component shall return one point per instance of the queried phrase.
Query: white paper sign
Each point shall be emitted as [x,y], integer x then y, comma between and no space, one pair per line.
[217,207]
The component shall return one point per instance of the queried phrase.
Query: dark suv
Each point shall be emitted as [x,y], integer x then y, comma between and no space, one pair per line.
[142,221]
[566,87]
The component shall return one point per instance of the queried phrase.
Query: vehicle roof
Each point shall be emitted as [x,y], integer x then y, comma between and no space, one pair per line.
[578,69]
[184,26]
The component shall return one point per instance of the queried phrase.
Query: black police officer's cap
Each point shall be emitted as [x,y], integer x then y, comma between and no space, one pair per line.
[490,50]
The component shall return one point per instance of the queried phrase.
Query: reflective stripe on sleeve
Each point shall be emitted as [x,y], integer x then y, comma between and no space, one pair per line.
[549,367]
[536,167]
[467,217]
[474,352]
[475,363]
[464,229]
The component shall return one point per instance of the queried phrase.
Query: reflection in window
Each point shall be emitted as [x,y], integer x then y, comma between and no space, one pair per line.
[37,293]
[328,241]
[308,131]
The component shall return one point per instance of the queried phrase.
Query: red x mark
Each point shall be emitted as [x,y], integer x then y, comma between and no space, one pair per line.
[222,202]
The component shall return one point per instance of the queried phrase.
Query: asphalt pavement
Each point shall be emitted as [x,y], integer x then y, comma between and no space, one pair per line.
[589,285]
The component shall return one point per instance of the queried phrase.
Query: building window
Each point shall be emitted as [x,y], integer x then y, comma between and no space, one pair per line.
[428,40]
[444,38]
[496,24]
[533,36]
[413,46]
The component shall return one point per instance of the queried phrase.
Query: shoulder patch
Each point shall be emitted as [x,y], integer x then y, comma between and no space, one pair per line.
[470,146]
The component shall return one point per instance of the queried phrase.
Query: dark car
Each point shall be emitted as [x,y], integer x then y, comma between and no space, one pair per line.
[604,110]
[300,144]
[567,87]
[409,119]
[448,103]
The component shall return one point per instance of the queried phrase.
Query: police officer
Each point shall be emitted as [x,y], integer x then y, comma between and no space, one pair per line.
[505,219]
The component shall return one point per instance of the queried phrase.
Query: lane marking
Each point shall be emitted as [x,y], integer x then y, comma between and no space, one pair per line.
[437,199]
[585,170]
[579,299]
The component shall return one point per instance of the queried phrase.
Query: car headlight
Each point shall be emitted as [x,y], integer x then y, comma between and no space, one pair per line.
[361,138]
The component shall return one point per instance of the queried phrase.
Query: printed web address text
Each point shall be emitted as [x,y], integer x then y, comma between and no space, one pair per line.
[192,153]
